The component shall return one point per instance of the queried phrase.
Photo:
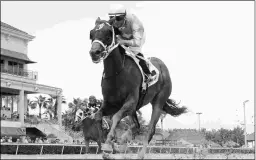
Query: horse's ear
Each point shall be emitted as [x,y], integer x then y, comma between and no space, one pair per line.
[116,30]
[111,21]
[97,21]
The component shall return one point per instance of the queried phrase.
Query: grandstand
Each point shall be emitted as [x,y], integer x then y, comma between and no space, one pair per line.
[17,82]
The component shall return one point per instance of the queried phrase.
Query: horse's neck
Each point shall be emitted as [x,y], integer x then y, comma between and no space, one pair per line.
[113,64]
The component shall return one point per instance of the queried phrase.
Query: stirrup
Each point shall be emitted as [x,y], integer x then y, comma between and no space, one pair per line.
[147,80]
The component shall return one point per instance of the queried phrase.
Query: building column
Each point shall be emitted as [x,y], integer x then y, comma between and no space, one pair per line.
[6,101]
[1,101]
[25,104]
[12,104]
[20,107]
[5,64]
[59,100]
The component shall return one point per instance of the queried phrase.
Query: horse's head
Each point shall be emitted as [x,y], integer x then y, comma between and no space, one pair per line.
[78,119]
[79,115]
[103,40]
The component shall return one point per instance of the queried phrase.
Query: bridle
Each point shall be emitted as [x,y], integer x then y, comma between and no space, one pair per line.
[107,49]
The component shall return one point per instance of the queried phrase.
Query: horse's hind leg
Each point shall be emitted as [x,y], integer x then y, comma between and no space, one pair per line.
[133,129]
[156,112]
[130,133]
[136,128]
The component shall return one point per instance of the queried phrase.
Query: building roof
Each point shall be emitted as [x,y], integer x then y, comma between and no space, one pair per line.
[190,136]
[16,55]
[251,137]
[11,27]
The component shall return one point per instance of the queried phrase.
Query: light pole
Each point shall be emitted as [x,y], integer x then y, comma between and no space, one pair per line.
[199,119]
[245,138]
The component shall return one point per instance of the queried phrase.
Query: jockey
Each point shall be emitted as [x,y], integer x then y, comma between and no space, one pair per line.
[132,34]
[93,104]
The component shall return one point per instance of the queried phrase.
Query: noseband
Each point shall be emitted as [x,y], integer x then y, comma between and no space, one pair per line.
[107,49]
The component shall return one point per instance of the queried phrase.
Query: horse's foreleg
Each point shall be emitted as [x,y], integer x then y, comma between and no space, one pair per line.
[86,146]
[99,147]
[151,130]
[136,127]
[127,107]
[98,125]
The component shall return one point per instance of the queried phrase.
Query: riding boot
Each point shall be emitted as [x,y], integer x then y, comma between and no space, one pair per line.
[145,69]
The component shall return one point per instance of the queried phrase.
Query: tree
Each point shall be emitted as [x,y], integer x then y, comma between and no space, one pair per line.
[67,119]
[11,100]
[222,135]
[31,104]
[238,135]
[52,106]
[225,135]
[77,104]
[42,103]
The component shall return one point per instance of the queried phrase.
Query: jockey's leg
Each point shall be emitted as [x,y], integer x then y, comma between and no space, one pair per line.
[143,64]
[144,67]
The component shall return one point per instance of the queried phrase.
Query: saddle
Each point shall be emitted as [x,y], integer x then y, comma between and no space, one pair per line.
[152,79]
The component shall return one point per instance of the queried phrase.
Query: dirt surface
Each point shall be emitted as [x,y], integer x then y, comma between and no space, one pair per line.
[132,156]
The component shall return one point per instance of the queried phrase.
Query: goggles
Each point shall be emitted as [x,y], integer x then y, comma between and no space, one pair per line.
[117,17]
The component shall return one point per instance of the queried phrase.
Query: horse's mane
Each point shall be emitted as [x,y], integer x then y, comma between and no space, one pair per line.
[121,49]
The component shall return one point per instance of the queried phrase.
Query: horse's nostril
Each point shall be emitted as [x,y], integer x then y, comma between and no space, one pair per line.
[97,52]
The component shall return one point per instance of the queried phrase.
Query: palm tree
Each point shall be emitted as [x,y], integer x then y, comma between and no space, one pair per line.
[67,119]
[77,104]
[10,101]
[41,102]
[52,108]
[31,104]
[49,110]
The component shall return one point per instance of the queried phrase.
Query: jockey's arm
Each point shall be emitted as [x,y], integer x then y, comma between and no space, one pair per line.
[138,32]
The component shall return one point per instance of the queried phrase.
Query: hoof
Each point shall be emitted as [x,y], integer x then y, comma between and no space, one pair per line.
[106,156]
[140,155]
[107,148]
[122,148]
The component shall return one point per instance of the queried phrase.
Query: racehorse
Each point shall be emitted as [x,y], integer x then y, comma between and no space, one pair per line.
[91,131]
[121,85]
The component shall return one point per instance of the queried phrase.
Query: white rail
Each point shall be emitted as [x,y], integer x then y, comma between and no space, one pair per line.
[168,148]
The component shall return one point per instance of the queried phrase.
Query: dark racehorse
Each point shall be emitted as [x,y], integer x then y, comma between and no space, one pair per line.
[121,84]
[91,132]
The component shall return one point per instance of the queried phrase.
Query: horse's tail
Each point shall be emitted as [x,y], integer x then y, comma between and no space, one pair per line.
[173,108]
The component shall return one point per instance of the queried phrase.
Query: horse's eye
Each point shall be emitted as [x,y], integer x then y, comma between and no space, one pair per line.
[91,34]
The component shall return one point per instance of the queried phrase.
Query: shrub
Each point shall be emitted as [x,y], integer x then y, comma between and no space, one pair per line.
[52,149]
[8,149]
[29,149]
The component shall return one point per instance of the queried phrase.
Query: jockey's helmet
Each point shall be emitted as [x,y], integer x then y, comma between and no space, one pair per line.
[117,11]
[92,99]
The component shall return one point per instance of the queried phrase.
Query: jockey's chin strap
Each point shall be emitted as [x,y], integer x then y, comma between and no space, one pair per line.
[107,49]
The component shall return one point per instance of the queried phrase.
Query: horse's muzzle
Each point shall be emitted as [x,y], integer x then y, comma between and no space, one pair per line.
[95,55]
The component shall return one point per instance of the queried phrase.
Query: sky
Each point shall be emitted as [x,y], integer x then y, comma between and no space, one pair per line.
[208,48]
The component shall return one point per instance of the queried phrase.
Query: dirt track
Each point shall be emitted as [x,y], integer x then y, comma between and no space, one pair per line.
[131,156]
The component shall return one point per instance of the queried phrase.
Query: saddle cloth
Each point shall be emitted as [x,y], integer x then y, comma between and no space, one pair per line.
[152,79]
